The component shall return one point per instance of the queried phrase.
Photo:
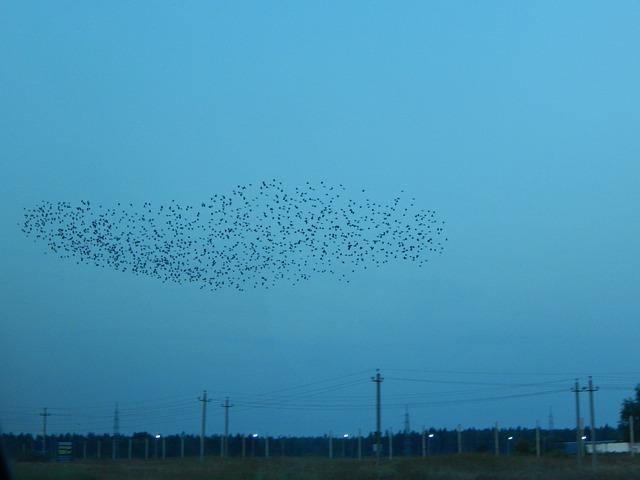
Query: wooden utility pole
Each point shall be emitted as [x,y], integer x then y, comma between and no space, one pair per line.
[576,390]
[225,449]
[631,436]
[44,416]
[330,445]
[592,420]
[203,421]
[378,380]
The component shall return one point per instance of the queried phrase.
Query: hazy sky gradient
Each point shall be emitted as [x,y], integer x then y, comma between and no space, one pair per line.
[516,121]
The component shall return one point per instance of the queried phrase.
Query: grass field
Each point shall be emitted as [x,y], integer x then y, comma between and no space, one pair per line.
[465,467]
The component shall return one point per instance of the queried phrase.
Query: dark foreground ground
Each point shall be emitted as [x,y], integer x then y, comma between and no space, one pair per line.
[465,467]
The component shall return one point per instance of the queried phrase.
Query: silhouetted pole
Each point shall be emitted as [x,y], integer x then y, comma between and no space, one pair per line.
[266,445]
[378,380]
[203,420]
[459,430]
[115,441]
[44,416]
[631,435]
[330,445]
[592,420]
[537,439]
[226,405]
[576,390]
[496,440]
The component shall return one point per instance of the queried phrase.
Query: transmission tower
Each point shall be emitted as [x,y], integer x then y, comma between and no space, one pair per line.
[407,432]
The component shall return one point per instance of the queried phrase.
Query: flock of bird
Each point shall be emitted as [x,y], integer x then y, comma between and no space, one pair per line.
[259,235]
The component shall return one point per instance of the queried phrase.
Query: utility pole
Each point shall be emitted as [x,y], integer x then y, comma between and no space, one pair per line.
[116,433]
[576,390]
[496,441]
[592,420]
[203,421]
[330,444]
[537,439]
[378,380]
[44,416]
[631,436]
[226,405]
[182,445]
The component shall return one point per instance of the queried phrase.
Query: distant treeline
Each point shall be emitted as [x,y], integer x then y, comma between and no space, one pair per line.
[145,445]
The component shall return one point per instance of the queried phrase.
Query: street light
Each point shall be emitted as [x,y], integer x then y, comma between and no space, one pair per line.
[344,444]
[509,444]
[429,437]
[253,444]
[155,446]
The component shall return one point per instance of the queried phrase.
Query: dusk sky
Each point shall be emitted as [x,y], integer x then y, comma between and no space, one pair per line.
[517,122]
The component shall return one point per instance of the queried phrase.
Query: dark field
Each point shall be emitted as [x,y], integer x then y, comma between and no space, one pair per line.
[466,467]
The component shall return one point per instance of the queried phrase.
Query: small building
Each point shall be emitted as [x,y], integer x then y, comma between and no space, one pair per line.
[603,446]
[612,447]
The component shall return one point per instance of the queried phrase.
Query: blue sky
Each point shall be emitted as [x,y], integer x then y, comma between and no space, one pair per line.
[516,121]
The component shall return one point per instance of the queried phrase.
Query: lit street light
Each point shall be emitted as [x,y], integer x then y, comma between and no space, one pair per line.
[344,444]
[155,446]
[253,444]
[509,444]
[429,437]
